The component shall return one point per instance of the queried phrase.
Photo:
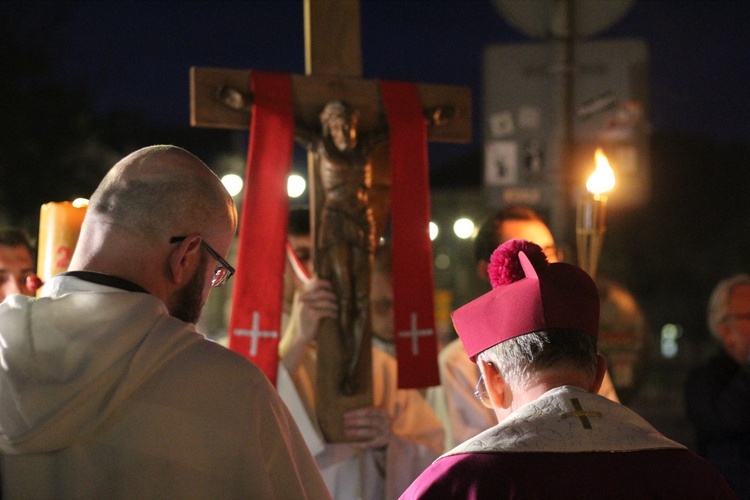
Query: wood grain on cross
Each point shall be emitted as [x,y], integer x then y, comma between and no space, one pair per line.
[221,98]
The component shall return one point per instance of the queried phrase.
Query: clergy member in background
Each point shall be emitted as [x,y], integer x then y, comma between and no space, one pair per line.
[534,339]
[466,416]
[16,262]
[400,433]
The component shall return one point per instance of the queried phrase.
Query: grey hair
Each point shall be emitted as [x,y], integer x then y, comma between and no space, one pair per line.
[521,359]
[718,303]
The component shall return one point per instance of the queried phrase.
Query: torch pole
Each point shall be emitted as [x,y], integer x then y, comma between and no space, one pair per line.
[590,229]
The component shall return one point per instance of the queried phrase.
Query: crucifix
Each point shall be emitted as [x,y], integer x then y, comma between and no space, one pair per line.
[221,98]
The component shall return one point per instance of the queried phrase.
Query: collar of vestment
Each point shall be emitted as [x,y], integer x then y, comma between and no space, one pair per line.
[568,419]
[106,280]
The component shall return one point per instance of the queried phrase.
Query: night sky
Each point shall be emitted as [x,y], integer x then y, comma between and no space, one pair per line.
[136,55]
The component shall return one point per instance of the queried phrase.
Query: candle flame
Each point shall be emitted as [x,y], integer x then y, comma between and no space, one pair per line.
[603,178]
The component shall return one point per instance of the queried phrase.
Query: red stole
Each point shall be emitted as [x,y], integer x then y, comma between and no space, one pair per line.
[413,286]
[255,326]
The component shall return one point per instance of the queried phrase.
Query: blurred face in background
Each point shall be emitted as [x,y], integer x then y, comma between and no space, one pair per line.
[381,305]
[534,231]
[735,329]
[16,264]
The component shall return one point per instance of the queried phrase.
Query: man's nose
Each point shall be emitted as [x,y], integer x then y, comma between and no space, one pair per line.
[15,285]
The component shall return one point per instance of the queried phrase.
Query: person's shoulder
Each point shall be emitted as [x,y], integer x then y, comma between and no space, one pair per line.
[227,375]
[223,358]
[213,361]
[14,309]
[464,475]
[697,474]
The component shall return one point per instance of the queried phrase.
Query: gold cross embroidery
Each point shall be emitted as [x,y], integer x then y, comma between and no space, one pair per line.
[581,413]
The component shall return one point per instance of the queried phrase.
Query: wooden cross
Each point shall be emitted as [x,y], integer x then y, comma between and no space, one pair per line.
[221,98]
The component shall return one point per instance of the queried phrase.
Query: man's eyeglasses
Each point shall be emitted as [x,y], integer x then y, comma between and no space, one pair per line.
[480,392]
[223,271]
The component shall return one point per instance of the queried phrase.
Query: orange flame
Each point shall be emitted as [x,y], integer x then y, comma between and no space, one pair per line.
[603,178]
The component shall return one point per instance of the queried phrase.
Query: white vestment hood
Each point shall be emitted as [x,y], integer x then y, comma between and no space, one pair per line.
[61,374]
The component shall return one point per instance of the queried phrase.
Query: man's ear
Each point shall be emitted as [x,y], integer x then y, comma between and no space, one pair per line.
[497,388]
[183,259]
[601,370]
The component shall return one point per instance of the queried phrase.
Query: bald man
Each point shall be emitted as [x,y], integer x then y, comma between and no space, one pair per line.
[108,391]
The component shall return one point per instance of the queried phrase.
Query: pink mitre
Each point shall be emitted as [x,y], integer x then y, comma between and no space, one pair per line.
[529,294]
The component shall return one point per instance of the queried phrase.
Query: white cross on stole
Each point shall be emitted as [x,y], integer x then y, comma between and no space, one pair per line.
[415,333]
[255,333]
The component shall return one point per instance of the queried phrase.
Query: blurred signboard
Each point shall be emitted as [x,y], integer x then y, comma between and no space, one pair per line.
[524,114]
